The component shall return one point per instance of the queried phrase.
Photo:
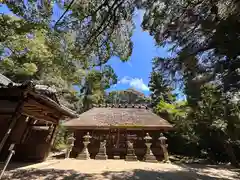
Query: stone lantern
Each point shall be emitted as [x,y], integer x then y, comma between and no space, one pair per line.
[70,144]
[164,146]
[85,154]
[149,156]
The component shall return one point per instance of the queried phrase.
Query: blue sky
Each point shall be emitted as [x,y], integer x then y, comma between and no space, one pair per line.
[134,73]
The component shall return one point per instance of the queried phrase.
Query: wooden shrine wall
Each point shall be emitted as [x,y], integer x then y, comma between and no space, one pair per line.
[15,135]
[35,147]
[30,144]
[4,123]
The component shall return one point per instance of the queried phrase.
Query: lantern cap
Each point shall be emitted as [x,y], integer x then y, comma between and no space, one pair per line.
[71,138]
[162,137]
[147,137]
[87,135]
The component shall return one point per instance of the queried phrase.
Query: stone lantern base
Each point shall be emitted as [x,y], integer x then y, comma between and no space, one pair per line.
[131,158]
[102,153]
[101,157]
[166,161]
[150,158]
[131,155]
[83,156]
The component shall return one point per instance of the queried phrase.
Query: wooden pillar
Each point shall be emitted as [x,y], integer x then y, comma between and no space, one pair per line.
[118,134]
[54,133]
[26,131]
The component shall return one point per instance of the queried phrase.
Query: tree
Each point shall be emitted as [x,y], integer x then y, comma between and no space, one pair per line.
[101,29]
[196,31]
[159,87]
[60,55]
[32,59]
[128,96]
[104,27]
[210,131]
[217,123]
[94,85]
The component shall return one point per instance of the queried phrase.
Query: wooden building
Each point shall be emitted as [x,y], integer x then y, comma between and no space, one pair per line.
[29,116]
[117,125]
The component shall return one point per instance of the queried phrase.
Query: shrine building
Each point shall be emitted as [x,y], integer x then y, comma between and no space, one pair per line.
[117,125]
[29,117]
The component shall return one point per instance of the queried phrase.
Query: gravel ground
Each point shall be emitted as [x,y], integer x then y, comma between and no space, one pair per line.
[72,169]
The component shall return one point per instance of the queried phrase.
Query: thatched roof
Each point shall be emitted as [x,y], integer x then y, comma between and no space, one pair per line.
[106,117]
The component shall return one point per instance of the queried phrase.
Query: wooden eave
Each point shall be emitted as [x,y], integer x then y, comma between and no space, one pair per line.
[52,104]
[127,127]
[35,105]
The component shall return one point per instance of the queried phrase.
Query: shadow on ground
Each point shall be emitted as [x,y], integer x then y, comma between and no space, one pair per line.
[15,165]
[138,174]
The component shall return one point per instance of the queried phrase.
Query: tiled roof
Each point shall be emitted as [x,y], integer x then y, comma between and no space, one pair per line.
[135,116]
[4,80]
[41,91]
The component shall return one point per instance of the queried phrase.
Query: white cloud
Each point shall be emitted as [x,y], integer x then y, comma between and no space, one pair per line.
[129,63]
[134,82]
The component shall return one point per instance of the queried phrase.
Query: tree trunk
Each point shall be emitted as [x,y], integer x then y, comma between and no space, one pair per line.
[230,152]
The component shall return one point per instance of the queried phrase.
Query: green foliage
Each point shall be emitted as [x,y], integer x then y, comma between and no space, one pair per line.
[160,88]
[178,109]
[28,69]
[211,130]
[203,36]
[68,53]
[60,142]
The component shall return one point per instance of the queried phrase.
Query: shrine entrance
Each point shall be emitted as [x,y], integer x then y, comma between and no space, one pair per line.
[117,143]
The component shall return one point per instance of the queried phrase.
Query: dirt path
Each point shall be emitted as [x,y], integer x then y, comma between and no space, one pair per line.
[73,169]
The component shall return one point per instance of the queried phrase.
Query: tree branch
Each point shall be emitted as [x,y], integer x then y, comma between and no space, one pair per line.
[69,6]
[105,3]
[99,31]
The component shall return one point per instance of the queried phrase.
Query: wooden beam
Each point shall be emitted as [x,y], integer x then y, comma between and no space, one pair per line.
[53,135]
[40,111]
[11,92]
[45,128]
[41,117]
[5,116]
[34,105]
[39,125]
[37,112]
[7,106]
[26,131]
